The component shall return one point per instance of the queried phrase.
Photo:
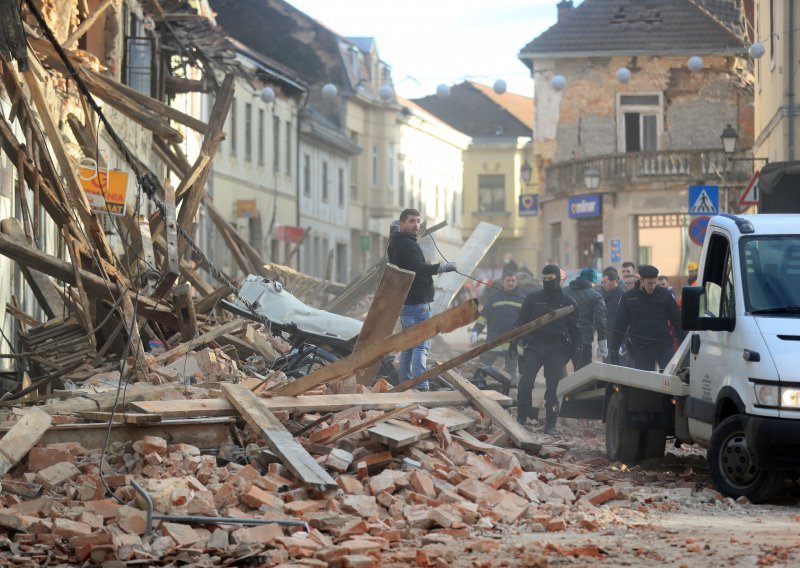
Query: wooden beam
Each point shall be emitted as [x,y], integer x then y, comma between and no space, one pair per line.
[519,435]
[171,268]
[42,287]
[106,400]
[200,341]
[72,40]
[478,244]
[61,270]
[79,200]
[25,434]
[120,417]
[190,202]
[212,299]
[383,314]
[371,422]
[447,321]
[316,403]
[482,348]
[279,439]
[184,310]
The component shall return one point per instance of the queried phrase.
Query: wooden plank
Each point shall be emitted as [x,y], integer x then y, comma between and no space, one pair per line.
[121,417]
[475,351]
[72,40]
[190,200]
[42,287]
[383,314]
[456,317]
[371,422]
[316,403]
[107,399]
[200,341]
[25,434]
[206,434]
[184,310]
[399,434]
[212,299]
[478,244]
[279,439]
[518,434]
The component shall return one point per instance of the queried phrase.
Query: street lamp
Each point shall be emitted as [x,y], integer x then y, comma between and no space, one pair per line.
[591,177]
[525,172]
[729,137]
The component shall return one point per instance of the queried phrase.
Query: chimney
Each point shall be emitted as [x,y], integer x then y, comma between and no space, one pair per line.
[564,7]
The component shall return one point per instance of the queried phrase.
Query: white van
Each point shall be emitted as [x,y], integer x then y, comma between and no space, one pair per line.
[734,385]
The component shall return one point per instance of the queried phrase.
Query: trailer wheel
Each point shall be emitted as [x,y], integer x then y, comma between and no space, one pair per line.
[622,437]
[731,467]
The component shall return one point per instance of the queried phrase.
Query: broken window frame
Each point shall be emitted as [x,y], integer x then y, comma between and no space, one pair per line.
[644,111]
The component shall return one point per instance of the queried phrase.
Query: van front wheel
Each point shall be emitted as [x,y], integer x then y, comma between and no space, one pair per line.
[732,468]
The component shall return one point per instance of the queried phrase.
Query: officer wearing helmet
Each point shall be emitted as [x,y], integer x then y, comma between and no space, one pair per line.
[550,346]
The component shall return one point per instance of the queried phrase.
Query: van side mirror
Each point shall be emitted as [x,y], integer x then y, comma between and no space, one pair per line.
[693,312]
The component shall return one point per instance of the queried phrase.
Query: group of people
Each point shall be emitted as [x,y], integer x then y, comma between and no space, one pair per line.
[633,316]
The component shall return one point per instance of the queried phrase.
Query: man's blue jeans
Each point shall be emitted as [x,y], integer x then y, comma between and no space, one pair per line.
[413,361]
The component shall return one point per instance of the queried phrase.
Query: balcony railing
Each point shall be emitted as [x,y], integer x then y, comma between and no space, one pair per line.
[617,170]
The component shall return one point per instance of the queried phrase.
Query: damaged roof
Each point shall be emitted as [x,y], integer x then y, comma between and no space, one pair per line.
[471,109]
[608,27]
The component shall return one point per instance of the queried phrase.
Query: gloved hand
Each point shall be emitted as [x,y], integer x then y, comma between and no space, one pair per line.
[602,348]
[473,337]
[446,267]
[512,350]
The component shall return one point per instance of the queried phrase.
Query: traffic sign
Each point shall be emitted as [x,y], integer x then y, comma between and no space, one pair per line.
[528,205]
[697,229]
[703,199]
[750,194]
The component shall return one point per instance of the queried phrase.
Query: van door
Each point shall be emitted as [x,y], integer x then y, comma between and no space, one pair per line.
[712,353]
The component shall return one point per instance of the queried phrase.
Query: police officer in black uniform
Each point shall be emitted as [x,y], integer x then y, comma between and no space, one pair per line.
[550,346]
[645,314]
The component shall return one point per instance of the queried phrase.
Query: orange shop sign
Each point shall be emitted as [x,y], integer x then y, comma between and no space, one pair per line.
[107,191]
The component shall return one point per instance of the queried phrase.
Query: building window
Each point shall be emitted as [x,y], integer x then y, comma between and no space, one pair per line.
[261,136]
[248,132]
[390,165]
[354,161]
[341,187]
[288,147]
[454,208]
[325,181]
[555,242]
[401,190]
[306,175]
[375,165]
[492,193]
[233,127]
[639,122]
[140,68]
[772,32]
[276,142]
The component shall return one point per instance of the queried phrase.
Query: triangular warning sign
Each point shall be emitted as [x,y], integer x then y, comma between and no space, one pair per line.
[703,204]
[750,194]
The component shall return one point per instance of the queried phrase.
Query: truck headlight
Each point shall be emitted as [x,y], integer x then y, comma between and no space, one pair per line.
[767,395]
[790,397]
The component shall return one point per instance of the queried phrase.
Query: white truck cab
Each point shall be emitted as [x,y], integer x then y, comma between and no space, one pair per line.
[734,384]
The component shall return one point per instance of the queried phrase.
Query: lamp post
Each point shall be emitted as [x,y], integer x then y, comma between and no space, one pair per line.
[525,172]
[591,178]
[729,138]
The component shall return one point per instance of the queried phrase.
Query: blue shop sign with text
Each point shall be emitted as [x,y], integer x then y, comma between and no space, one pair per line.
[582,206]
[528,205]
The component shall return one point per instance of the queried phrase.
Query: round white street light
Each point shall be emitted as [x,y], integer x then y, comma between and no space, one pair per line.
[500,87]
[558,82]
[386,93]
[329,91]
[623,75]
[443,91]
[757,50]
[268,94]
[695,63]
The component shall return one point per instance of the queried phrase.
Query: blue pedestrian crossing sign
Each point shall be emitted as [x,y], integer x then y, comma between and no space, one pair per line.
[703,199]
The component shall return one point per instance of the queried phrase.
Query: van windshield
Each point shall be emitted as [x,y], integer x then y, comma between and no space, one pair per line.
[771,274]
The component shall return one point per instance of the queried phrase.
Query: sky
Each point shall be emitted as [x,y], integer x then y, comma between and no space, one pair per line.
[428,42]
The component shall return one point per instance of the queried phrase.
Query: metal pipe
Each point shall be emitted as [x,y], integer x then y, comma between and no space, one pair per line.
[202,520]
[791,73]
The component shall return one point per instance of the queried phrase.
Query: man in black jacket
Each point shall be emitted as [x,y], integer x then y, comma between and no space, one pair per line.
[645,314]
[500,311]
[591,318]
[404,252]
[549,346]
[612,294]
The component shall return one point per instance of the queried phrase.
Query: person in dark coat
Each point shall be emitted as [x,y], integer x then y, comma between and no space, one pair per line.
[500,311]
[405,252]
[591,318]
[612,294]
[645,315]
[549,346]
